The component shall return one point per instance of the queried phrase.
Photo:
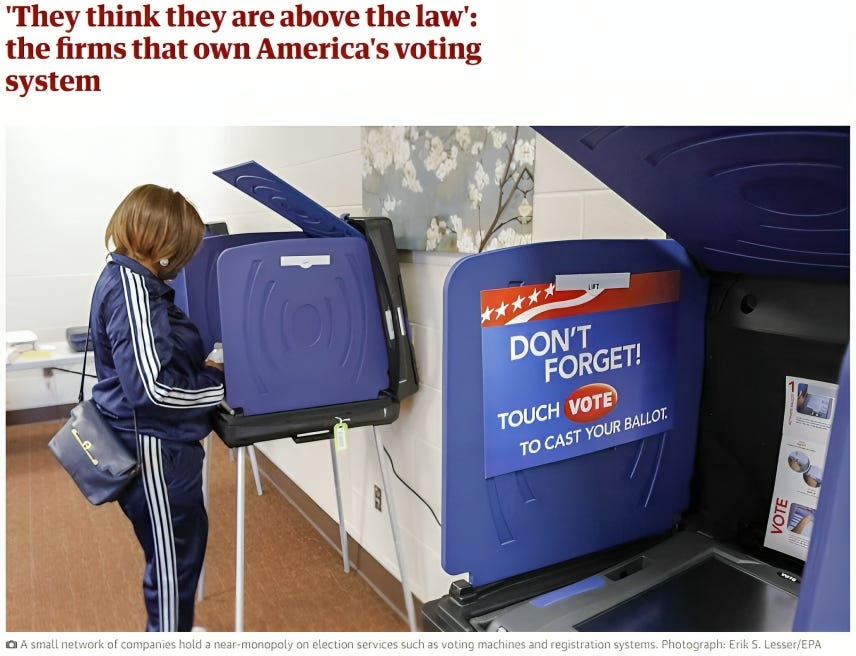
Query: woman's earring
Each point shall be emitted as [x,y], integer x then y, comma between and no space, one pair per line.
[164,261]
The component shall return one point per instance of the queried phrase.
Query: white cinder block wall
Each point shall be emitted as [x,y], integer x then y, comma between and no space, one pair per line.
[63,184]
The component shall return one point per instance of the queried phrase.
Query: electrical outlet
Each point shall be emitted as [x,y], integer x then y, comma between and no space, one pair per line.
[377,498]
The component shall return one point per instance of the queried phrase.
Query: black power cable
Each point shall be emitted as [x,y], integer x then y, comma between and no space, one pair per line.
[403,482]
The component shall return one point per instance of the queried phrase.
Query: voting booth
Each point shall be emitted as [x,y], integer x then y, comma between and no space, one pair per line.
[313,323]
[653,435]
[314,331]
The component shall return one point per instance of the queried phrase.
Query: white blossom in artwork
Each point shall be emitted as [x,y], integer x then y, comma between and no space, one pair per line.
[498,171]
[436,154]
[524,153]
[401,148]
[474,194]
[507,237]
[378,149]
[432,235]
[389,204]
[524,211]
[463,137]
[480,176]
[499,138]
[449,164]
[445,168]
[411,180]
[439,160]
[476,187]
[384,148]
[467,242]
[367,166]
[440,230]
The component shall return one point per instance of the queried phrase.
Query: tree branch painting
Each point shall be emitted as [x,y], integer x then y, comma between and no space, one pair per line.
[454,188]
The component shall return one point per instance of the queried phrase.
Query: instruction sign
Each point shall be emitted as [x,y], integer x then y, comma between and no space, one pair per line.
[577,365]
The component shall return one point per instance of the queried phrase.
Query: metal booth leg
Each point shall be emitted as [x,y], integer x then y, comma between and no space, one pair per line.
[255,467]
[239,541]
[390,505]
[343,533]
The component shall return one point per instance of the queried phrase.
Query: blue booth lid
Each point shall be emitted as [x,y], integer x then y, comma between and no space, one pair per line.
[758,200]
[273,192]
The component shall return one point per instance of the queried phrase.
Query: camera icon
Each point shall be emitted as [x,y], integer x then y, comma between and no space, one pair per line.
[11,644]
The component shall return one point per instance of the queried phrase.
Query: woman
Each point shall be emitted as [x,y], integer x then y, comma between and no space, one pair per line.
[156,388]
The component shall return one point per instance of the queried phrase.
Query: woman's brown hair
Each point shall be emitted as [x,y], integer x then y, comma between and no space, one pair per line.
[153,223]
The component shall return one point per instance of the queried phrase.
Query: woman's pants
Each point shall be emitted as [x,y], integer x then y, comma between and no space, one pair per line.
[166,508]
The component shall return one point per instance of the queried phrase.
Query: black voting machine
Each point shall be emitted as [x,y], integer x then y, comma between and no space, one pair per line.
[758,218]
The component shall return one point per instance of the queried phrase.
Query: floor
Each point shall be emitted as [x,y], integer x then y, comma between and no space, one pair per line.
[71,566]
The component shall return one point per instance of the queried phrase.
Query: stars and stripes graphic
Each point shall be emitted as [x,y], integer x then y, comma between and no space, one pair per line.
[512,305]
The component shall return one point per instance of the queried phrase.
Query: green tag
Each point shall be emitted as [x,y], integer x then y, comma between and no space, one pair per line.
[340,434]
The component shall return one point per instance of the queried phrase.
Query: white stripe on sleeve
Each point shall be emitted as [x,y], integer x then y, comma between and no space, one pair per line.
[146,356]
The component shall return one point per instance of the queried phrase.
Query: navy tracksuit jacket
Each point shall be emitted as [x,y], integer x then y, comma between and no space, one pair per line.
[149,359]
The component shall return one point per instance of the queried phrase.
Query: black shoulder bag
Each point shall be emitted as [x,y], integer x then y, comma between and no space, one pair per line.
[91,452]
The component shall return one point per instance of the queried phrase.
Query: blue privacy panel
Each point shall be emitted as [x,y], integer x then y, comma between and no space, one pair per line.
[197,292]
[515,522]
[300,324]
[824,603]
[768,200]
[273,192]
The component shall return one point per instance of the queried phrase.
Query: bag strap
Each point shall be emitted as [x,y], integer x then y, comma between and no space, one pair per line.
[83,372]
[85,351]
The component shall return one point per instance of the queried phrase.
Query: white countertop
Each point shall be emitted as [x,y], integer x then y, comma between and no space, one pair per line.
[44,356]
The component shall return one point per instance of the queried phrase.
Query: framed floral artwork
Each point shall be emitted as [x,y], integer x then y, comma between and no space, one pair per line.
[456,188]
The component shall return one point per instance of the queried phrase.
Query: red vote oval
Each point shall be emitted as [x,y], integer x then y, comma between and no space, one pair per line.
[591,402]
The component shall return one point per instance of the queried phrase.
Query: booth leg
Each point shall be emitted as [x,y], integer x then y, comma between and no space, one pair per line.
[255,467]
[343,534]
[390,505]
[206,478]
[239,542]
